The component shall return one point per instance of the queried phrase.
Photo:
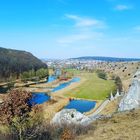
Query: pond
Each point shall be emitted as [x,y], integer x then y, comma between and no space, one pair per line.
[39,98]
[51,79]
[81,105]
[64,85]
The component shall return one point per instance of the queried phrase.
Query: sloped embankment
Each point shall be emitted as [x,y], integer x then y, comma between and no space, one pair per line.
[122,126]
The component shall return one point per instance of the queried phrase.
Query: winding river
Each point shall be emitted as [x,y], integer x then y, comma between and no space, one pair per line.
[79,105]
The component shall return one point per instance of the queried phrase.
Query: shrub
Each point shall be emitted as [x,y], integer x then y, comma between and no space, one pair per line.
[67,135]
[118,83]
[102,74]
[44,131]
[42,73]
[35,75]
[14,111]
[26,122]
[113,77]
[16,104]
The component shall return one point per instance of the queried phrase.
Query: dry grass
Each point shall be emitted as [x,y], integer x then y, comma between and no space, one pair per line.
[125,70]
[111,107]
[4,129]
[122,126]
[50,110]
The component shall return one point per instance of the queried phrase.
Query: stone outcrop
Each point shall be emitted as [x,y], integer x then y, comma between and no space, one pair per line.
[111,97]
[132,99]
[71,116]
[117,94]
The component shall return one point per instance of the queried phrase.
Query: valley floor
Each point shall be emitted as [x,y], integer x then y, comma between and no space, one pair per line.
[92,88]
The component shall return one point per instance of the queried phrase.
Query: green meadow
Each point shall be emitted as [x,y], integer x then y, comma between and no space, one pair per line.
[92,88]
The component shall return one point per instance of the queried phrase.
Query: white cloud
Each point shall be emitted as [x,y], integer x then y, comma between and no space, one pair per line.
[85,30]
[85,22]
[123,7]
[78,38]
[72,38]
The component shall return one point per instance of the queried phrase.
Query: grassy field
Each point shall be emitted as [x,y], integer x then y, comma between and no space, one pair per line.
[93,88]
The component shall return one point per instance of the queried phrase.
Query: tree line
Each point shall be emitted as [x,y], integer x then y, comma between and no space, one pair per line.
[14,62]
[34,75]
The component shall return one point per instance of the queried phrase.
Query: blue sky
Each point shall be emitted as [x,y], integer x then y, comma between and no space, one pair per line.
[71,28]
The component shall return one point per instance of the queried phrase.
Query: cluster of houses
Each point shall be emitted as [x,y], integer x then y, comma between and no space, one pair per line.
[73,63]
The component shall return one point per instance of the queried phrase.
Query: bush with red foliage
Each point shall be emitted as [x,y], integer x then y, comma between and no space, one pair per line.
[15,105]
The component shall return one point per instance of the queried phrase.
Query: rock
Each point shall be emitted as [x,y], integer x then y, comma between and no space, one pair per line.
[117,94]
[132,99]
[70,116]
[111,97]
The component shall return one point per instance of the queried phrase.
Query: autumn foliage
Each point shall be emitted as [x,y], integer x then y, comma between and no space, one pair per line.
[15,105]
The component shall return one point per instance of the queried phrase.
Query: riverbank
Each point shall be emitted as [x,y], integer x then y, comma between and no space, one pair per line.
[50,110]
[72,86]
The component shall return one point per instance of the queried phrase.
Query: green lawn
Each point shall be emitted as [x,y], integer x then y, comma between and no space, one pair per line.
[93,88]
[74,71]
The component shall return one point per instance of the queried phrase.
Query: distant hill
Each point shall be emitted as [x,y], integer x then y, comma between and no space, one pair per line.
[108,59]
[14,62]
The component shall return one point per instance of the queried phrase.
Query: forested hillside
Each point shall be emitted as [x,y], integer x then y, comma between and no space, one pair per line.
[15,62]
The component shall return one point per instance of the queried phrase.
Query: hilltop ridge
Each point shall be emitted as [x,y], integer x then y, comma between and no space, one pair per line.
[14,62]
[109,59]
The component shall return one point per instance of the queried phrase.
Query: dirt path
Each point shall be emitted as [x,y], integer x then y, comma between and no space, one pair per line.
[99,109]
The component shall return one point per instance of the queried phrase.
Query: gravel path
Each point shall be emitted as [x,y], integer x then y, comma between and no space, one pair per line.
[99,109]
